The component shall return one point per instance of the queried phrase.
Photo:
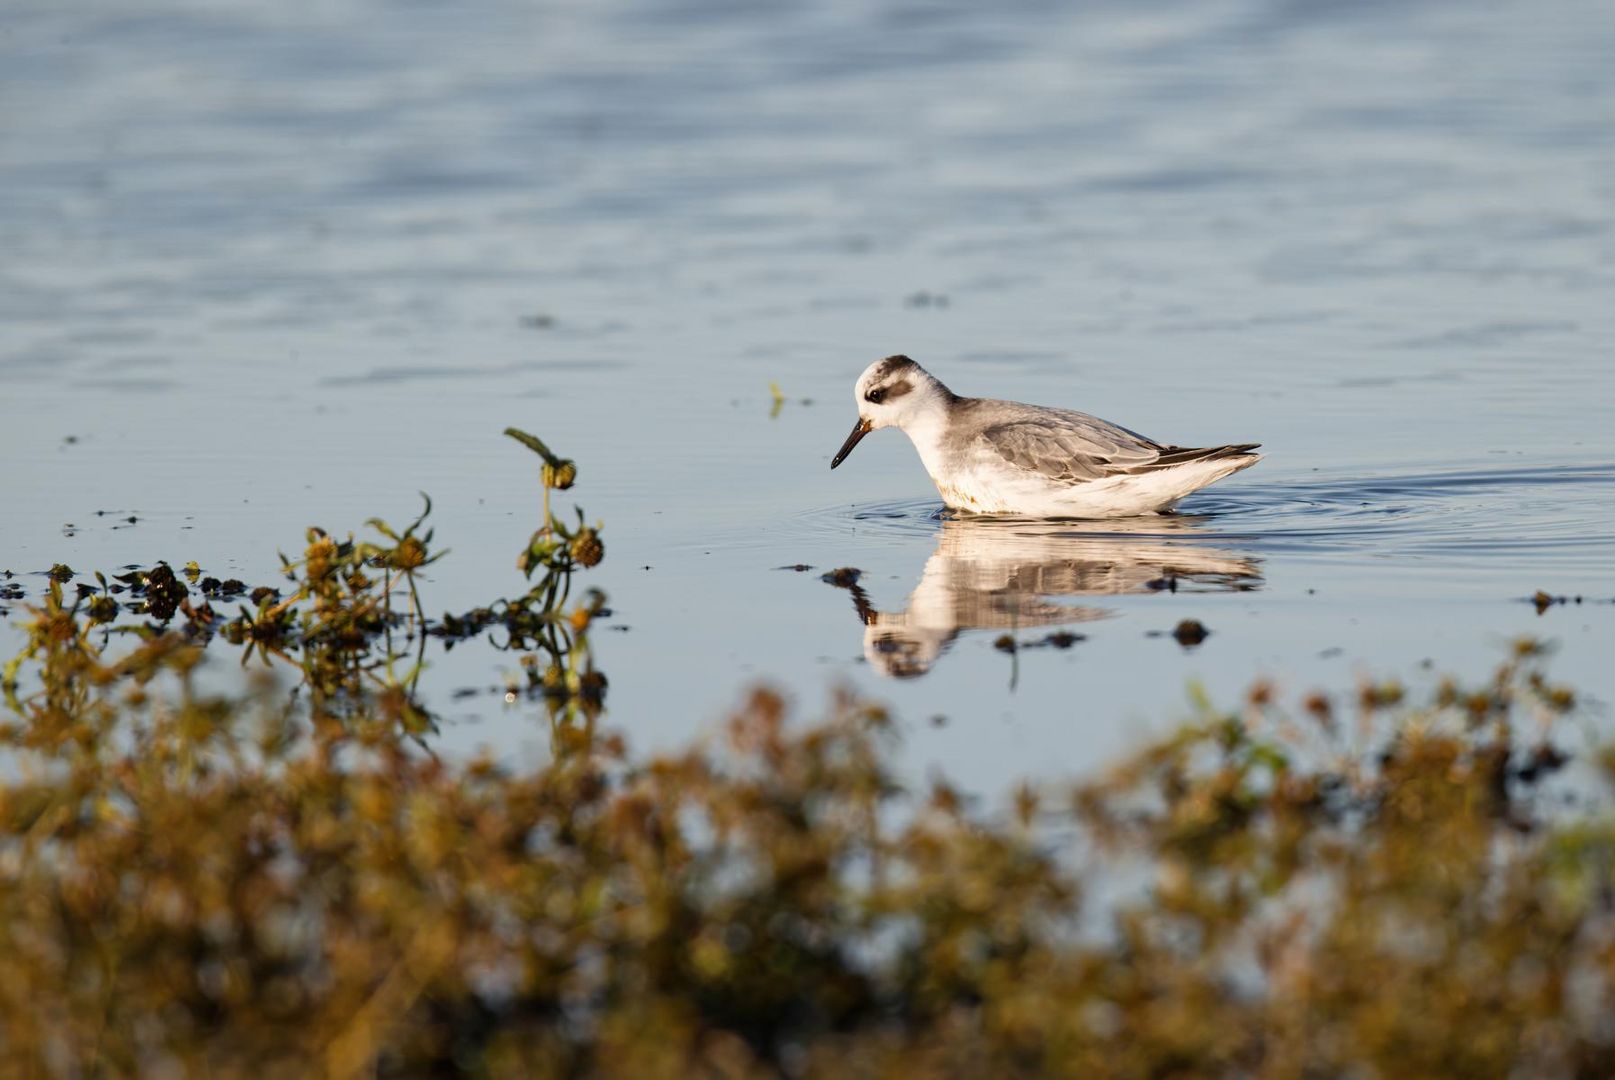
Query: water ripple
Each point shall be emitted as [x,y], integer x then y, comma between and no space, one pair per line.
[1555,513]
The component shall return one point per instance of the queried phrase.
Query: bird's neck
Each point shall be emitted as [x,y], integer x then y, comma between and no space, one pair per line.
[926,429]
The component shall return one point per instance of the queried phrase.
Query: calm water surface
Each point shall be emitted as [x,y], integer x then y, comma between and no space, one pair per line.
[272,265]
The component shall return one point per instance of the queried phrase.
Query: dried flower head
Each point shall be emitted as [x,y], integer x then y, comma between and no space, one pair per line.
[587,549]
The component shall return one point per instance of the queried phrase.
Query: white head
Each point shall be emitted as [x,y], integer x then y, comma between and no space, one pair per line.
[894,392]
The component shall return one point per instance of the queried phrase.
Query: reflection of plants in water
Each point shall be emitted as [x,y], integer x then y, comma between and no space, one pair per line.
[360,654]
[557,662]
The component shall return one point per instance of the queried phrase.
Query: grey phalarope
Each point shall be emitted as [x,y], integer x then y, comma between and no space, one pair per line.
[1002,457]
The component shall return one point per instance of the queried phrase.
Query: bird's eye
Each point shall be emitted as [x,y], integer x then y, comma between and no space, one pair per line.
[875,396]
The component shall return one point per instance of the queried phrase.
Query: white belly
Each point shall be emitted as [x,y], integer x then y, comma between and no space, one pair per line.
[990,489]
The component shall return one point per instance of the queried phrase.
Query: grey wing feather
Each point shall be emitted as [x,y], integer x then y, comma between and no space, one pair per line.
[1071,449]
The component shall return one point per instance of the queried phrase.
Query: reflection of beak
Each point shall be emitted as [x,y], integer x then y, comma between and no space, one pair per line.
[859,430]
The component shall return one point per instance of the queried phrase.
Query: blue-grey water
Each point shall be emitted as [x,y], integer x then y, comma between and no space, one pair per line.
[267,265]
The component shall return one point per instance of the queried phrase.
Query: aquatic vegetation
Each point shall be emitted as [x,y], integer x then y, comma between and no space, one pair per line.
[211,882]
[351,623]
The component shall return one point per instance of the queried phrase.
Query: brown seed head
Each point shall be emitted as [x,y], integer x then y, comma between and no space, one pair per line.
[562,475]
[587,548]
[409,555]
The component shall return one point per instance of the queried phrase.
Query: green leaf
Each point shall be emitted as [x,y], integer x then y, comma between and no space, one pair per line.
[535,444]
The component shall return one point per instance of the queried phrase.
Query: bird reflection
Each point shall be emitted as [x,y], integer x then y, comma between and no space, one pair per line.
[1015,575]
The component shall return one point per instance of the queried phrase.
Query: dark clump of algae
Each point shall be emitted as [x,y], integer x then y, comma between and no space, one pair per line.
[251,883]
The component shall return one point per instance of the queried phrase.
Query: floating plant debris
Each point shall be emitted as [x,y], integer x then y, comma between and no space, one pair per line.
[163,592]
[1542,601]
[1188,633]
[1058,639]
[777,399]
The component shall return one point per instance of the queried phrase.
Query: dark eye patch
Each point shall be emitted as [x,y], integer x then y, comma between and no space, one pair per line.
[887,393]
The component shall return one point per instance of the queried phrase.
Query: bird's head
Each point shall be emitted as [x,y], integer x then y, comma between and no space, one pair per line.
[893,392]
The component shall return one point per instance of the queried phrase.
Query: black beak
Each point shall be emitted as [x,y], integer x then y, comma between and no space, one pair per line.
[859,430]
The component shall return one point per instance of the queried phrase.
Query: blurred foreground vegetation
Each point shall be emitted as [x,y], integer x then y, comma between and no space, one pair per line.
[197,882]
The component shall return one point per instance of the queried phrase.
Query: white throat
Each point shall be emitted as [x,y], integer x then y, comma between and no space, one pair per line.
[926,426]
